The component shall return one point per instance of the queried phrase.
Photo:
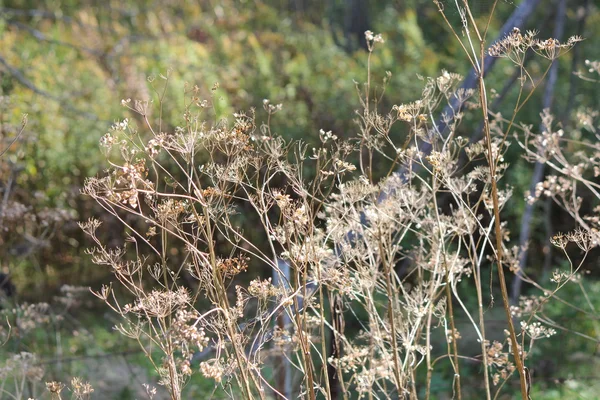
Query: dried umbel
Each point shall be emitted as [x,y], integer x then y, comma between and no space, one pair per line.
[55,388]
[594,66]
[159,303]
[22,365]
[81,390]
[187,334]
[27,317]
[499,360]
[536,330]
[515,45]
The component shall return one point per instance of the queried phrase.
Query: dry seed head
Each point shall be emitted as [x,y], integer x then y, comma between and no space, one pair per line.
[54,387]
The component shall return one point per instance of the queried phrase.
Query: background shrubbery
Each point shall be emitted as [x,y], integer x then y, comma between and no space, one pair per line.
[69,64]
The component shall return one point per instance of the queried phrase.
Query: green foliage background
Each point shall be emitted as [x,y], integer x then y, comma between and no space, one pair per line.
[68,64]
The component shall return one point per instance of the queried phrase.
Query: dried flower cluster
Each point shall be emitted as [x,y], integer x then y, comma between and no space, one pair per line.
[514,46]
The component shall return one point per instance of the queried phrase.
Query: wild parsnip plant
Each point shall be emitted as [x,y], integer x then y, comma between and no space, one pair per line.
[390,234]
[25,226]
[23,371]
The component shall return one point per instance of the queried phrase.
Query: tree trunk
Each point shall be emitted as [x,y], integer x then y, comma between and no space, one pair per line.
[538,171]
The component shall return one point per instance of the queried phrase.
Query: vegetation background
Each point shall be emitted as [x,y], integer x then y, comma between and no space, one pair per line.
[68,64]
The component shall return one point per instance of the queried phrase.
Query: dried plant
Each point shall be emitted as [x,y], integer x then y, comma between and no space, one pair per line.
[361,238]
